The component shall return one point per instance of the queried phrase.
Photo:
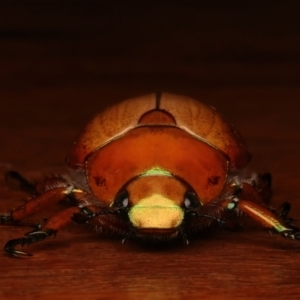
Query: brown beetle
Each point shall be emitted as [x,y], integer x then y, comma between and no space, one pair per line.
[157,167]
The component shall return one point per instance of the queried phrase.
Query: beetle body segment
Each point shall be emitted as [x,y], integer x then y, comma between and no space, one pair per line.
[156,167]
[108,125]
[194,117]
[205,123]
[143,148]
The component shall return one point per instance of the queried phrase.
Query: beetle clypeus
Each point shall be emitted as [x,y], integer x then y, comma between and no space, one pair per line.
[157,167]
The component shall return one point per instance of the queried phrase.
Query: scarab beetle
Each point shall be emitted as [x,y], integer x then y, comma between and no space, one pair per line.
[157,167]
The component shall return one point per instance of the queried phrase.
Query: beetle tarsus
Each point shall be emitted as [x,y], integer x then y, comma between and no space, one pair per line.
[10,247]
[292,234]
[31,237]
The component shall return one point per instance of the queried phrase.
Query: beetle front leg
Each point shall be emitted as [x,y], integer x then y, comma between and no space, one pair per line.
[88,214]
[40,202]
[30,238]
[85,212]
[50,228]
[36,204]
[265,217]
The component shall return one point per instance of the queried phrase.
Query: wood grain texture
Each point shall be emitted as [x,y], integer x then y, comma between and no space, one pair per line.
[60,64]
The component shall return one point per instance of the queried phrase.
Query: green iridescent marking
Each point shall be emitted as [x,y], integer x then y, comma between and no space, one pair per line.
[281,228]
[156,171]
[138,206]
[231,206]
[156,211]
[270,220]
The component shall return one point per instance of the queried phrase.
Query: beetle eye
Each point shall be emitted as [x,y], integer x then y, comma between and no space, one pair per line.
[191,200]
[122,200]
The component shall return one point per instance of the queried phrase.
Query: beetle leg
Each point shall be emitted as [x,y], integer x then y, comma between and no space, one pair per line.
[110,220]
[262,184]
[256,188]
[50,228]
[88,213]
[266,217]
[32,237]
[52,190]
[13,177]
[36,204]
[195,213]
[85,214]
[202,217]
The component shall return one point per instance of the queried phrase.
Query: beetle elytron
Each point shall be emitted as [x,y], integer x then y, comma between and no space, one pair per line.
[157,167]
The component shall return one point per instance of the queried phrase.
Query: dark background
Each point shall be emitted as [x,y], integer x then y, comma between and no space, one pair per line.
[62,61]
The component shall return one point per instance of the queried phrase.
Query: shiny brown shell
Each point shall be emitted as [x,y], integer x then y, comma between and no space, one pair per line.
[138,134]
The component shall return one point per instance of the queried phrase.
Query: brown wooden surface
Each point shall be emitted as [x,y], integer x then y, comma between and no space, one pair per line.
[60,63]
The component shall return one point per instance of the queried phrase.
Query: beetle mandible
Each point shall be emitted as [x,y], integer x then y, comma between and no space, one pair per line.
[156,167]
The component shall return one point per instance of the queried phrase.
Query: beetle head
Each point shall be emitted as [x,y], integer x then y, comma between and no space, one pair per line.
[156,205]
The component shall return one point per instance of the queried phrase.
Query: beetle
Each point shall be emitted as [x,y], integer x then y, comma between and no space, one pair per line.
[156,168]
